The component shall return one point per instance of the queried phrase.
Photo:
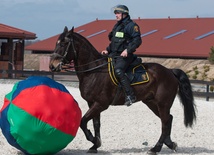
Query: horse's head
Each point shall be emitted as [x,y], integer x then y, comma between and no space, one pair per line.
[61,58]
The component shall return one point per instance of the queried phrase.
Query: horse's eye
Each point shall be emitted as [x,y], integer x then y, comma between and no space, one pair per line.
[62,44]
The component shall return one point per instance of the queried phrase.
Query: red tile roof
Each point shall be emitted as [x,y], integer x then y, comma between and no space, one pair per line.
[184,44]
[15,33]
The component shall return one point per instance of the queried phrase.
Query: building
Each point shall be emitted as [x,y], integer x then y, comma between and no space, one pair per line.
[12,43]
[169,37]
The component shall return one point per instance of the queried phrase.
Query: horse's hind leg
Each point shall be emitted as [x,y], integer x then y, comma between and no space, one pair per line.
[168,142]
[166,120]
[164,138]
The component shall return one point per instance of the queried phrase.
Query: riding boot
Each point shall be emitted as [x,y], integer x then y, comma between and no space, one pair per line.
[125,83]
[130,97]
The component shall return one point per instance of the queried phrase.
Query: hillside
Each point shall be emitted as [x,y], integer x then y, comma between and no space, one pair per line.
[196,69]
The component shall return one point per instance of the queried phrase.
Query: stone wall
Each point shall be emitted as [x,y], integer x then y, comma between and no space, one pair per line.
[33,61]
[196,69]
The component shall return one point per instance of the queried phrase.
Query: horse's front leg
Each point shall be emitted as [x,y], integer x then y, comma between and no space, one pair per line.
[97,139]
[93,113]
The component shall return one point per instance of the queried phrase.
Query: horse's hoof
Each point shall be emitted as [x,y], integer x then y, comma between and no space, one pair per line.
[98,142]
[92,151]
[151,153]
[175,146]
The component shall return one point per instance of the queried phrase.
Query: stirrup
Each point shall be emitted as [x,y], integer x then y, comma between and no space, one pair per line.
[130,100]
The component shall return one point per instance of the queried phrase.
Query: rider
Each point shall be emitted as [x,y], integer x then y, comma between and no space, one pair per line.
[125,39]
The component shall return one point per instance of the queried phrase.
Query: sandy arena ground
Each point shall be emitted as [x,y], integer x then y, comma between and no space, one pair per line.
[124,130]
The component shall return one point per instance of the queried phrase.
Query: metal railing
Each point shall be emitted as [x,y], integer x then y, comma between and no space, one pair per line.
[200,88]
[20,74]
[205,85]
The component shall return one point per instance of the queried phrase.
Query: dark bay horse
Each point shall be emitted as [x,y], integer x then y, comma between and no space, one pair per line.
[98,90]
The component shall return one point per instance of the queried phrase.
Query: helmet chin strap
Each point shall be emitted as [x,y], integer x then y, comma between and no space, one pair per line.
[123,16]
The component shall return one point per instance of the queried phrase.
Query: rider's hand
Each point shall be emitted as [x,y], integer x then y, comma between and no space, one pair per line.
[104,52]
[124,53]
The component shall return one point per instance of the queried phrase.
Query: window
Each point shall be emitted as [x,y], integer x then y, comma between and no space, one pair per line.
[148,33]
[204,35]
[80,31]
[94,34]
[175,34]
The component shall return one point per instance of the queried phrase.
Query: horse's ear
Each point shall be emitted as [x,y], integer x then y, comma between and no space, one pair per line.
[65,29]
[72,30]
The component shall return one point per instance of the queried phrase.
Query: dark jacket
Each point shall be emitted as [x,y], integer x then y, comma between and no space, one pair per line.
[125,35]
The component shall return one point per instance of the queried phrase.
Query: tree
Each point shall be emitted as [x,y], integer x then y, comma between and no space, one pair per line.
[211,55]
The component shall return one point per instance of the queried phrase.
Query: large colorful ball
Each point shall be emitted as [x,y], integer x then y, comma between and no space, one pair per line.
[39,116]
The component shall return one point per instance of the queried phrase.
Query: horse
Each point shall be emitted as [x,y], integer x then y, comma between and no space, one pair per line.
[99,91]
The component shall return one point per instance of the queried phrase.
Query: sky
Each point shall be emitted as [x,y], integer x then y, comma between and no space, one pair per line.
[47,18]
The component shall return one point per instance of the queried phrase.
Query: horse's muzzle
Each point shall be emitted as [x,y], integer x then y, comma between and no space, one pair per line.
[55,69]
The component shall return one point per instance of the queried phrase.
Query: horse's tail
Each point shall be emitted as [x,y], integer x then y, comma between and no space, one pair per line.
[186,97]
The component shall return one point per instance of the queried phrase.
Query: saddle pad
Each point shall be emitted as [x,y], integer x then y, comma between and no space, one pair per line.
[136,74]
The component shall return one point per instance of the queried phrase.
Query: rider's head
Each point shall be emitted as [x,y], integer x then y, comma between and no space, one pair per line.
[121,11]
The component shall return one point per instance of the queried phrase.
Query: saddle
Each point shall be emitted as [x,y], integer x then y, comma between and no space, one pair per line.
[136,72]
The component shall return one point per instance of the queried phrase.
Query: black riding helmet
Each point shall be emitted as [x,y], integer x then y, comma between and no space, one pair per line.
[121,9]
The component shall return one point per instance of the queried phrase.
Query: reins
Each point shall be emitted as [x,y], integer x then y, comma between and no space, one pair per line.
[88,70]
[71,43]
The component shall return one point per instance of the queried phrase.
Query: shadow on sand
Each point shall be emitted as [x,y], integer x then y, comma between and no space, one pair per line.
[180,150]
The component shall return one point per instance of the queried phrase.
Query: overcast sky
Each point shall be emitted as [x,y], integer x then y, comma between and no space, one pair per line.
[47,18]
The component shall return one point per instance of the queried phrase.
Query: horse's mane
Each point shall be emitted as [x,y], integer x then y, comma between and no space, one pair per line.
[85,42]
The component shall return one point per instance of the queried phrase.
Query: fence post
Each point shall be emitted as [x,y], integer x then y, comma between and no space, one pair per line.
[4,74]
[207,98]
[52,75]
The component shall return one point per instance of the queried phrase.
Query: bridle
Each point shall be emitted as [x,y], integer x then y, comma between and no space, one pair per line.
[71,44]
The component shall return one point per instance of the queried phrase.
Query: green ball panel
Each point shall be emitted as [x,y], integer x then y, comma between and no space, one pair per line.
[35,136]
